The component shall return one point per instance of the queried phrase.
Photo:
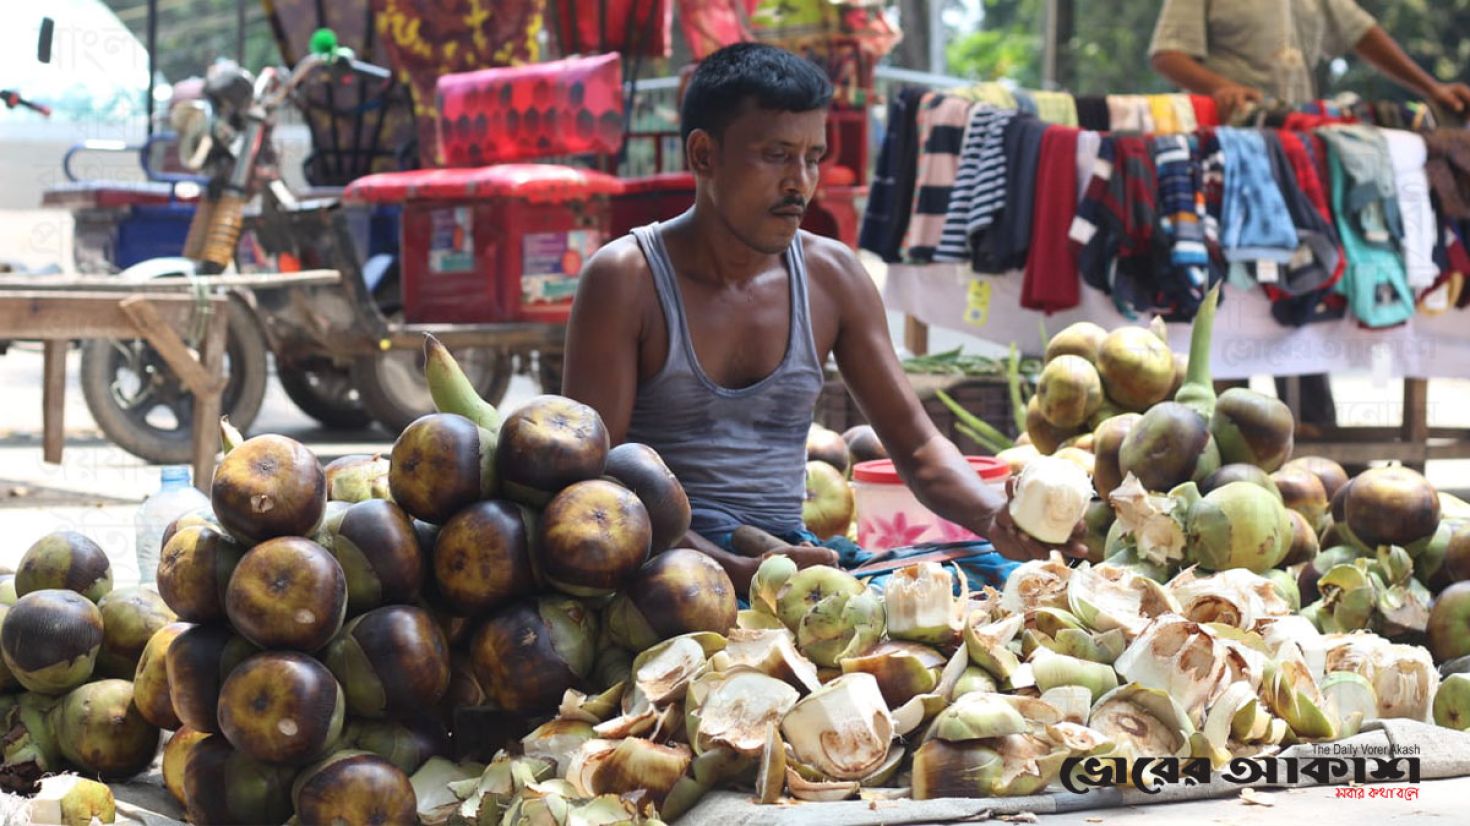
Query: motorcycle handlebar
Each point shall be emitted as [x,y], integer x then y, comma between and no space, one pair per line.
[13,99]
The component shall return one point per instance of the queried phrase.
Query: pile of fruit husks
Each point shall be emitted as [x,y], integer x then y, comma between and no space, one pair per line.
[344,630]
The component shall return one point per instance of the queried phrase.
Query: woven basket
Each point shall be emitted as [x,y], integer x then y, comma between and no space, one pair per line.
[987,398]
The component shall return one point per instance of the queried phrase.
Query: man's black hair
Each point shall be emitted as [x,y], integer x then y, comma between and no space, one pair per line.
[770,76]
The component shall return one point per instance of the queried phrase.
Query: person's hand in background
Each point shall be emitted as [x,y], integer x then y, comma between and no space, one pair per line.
[1452,96]
[1234,97]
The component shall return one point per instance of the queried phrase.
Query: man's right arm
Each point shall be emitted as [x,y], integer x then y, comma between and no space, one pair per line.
[600,365]
[1180,40]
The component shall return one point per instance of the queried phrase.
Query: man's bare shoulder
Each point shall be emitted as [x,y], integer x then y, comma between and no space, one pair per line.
[616,275]
[619,265]
[832,265]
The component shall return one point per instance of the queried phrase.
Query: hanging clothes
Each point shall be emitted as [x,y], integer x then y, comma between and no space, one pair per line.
[1088,143]
[1184,113]
[1181,202]
[1004,246]
[1308,157]
[980,184]
[1051,282]
[882,208]
[1448,170]
[1316,259]
[1130,113]
[1205,112]
[1407,153]
[1113,233]
[1025,103]
[1375,284]
[1092,113]
[1255,224]
[1161,109]
[942,121]
[1058,108]
[883,235]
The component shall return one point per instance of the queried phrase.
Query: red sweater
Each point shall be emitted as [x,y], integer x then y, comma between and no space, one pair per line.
[1051,281]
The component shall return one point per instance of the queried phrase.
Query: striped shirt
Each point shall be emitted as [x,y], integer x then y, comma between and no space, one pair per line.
[980,184]
[941,123]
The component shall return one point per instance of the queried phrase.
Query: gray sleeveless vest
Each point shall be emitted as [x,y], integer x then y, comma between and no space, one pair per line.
[740,454]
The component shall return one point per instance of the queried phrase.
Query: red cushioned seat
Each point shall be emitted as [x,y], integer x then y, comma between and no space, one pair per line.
[516,113]
[662,182]
[110,194]
[535,183]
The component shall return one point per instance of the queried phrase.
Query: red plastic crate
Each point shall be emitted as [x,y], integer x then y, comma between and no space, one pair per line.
[496,260]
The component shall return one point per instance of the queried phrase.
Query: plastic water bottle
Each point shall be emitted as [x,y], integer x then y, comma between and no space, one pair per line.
[175,497]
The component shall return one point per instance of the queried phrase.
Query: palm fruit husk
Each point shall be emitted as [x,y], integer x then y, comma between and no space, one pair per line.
[1180,657]
[1293,695]
[903,669]
[1039,583]
[919,604]
[1349,598]
[841,625]
[1017,764]
[765,586]
[69,800]
[738,709]
[1234,597]
[773,652]
[1141,722]
[1054,670]
[978,716]
[852,704]
[662,673]
[1349,700]
[987,644]
[29,743]
[1155,524]
[1105,597]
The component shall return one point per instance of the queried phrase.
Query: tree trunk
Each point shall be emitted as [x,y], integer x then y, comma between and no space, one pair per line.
[913,51]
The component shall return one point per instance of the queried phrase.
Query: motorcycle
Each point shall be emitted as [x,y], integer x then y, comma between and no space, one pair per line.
[227,135]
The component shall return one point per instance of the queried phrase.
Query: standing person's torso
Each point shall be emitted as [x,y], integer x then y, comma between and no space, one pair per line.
[735,436]
[1271,45]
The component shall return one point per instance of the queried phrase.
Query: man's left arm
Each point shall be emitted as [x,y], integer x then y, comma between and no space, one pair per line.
[929,463]
[1370,42]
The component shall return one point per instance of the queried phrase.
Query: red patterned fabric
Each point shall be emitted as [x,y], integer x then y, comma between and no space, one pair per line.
[428,39]
[710,25]
[565,107]
[534,183]
[641,27]
[1205,113]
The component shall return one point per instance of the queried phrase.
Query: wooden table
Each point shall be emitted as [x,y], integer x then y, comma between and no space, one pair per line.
[57,316]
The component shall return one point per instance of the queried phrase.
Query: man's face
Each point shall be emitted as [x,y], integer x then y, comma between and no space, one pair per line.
[762,173]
